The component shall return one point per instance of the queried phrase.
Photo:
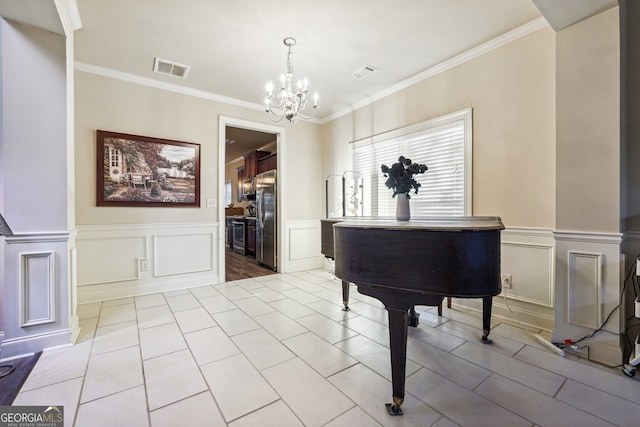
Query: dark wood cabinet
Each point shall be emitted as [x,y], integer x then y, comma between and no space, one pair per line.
[241,176]
[251,236]
[251,162]
[268,163]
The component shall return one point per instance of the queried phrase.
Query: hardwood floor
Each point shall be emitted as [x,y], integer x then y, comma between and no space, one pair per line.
[242,267]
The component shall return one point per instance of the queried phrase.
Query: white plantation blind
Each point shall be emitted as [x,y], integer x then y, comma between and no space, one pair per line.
[443,144]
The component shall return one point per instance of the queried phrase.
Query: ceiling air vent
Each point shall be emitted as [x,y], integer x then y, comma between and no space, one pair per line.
[170,68]
[363,72]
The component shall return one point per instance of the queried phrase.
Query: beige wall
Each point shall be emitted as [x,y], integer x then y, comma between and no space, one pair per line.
[511,91]
[119,106]
[588,125]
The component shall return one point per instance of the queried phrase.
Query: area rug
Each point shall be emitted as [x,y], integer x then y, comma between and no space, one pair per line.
[13,374]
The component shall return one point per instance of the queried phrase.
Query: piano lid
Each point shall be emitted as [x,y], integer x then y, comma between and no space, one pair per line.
[466,223]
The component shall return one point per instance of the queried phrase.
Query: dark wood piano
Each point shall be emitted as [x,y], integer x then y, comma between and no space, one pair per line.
[418,262]
[326,236]
[326,239]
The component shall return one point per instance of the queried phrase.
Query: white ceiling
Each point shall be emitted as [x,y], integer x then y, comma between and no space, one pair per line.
[235,47]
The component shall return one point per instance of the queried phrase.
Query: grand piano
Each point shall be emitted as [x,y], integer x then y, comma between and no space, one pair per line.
[418,262]
[327,249]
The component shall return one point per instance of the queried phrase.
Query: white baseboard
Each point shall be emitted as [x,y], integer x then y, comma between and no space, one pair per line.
[34,343]
[113,291]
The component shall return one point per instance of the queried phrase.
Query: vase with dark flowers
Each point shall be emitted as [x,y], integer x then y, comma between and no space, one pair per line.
[400,178]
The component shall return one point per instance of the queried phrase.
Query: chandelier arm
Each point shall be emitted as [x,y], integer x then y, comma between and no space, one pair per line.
[278,117]
[303,117]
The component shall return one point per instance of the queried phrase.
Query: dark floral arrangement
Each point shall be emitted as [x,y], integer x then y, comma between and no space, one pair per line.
[400,176]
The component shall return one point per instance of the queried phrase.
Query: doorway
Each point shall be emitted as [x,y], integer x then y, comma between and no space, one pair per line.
[238,138]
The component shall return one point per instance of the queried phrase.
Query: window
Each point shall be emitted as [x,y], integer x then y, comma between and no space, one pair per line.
[443,144]
[227,193]
[114,157]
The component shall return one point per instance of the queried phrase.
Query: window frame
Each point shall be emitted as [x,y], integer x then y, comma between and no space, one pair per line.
[465,115]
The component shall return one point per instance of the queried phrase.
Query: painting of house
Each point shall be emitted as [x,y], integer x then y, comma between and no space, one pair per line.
[145,171]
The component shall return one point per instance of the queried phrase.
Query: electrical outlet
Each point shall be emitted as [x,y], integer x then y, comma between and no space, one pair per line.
[144,264]
[506,280]
[211,203]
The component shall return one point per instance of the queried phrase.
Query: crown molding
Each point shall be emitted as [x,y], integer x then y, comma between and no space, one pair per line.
[69,15]
[145,81]
[480,50]
[522,31]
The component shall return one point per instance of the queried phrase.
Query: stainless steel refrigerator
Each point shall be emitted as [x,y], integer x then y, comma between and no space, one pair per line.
[266,224]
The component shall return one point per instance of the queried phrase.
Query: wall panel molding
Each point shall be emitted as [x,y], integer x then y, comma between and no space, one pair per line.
[528,255]
[177,256]
[183,253]
[586,237]
[37,288]
[303,245]
[113,259]
[45,237]
[584,286]
[589,278]
[531,267]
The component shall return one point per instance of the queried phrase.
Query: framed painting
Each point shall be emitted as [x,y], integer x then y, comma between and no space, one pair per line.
[139,171]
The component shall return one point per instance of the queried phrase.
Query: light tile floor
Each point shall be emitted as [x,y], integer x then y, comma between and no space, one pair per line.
[279,351]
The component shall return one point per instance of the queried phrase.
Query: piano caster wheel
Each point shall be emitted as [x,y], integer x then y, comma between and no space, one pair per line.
[486,340]
[393,409]
[414,319]
[346,307]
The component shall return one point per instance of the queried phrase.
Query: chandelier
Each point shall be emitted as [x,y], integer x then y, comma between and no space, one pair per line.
[286,103]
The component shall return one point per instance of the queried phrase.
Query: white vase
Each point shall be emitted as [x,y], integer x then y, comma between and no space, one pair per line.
[403,213]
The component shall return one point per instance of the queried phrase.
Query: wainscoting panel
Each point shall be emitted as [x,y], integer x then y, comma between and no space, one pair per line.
[128,260]
[181,254]
[113,258]
[589,277]
[37,283]
[38,310]
[583,286]
[531,270]
[303,240]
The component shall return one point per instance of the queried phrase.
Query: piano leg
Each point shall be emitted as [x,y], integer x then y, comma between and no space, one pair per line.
[398,322]
[398,306]
[486,319]
[345,295]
